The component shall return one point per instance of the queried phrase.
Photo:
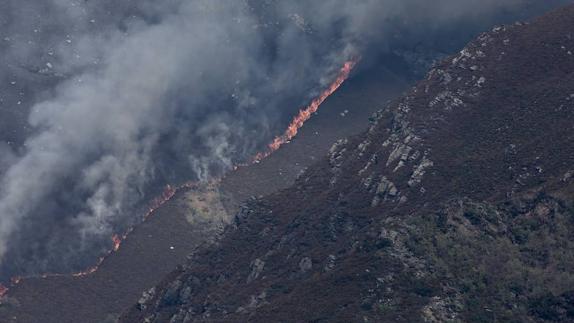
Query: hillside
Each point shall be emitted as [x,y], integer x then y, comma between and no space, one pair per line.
[455,205]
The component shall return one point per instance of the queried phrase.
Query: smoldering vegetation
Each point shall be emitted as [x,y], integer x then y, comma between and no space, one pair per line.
[103,103]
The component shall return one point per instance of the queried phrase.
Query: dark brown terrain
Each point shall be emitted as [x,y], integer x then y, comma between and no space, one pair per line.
[193,218]
[456,205]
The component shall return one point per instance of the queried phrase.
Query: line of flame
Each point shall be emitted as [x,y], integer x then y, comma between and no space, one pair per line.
[169,192]
[306,113]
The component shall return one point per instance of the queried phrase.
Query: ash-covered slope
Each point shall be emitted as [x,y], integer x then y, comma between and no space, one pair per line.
[455,205]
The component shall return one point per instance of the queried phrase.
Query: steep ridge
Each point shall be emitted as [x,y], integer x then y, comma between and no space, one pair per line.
[455,205]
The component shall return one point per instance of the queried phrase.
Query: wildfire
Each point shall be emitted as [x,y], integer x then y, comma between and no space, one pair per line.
[117,241]
[88,271]
[167,194]
[305,114]
[170,191]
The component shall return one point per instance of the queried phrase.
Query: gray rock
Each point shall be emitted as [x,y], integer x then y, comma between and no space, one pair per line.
[568,176]
[256,268]
[306,264]
[387,187]
[146,297]
[330,265]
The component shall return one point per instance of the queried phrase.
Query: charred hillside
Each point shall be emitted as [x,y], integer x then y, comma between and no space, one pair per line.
[455,205]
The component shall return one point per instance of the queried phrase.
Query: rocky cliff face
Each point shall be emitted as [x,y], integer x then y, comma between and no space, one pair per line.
[455,205]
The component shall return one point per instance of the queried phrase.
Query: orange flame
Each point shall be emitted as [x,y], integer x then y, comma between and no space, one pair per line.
[117,241]
[305,114]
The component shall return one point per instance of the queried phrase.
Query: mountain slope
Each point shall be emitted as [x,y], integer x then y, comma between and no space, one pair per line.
[455,205]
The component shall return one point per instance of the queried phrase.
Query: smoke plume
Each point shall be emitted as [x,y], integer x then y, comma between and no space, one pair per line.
[102,103]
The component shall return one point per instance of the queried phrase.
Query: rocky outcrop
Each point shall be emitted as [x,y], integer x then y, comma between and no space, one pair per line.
[456,205]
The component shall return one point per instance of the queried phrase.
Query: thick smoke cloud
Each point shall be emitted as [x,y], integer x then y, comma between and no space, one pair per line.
[104,102]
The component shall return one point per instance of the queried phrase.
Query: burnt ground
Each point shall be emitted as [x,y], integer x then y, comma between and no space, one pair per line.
[162,242]
[456,205]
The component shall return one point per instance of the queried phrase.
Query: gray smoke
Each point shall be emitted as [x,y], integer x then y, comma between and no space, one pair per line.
[102,103]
